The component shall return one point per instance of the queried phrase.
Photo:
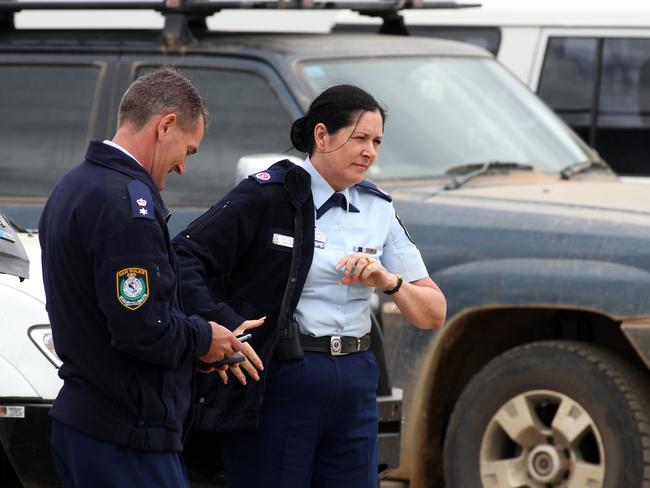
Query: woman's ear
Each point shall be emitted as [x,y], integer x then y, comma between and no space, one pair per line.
[320,135]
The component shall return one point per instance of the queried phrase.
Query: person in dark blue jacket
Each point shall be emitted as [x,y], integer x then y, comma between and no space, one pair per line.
[110,276]
[317,240]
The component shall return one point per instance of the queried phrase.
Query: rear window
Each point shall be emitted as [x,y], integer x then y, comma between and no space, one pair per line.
[601,87]
[489,38]
[247,118]
[568,78]
[45,124]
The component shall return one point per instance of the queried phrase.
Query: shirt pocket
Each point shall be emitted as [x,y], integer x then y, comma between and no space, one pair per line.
[372,250]
[359,292]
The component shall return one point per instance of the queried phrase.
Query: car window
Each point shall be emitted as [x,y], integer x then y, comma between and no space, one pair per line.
[617,122]
[489,38]
[568,78]
[442,117]
[623,131]
[44,128]
[246,117]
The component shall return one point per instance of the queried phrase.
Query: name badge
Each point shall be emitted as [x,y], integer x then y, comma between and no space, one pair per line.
[366,250]
[319,239]
[284,241]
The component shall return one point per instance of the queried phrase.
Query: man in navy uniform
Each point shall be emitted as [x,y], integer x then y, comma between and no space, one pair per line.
[110,276]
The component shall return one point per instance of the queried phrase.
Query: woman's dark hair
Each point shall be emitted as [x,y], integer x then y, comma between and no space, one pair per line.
[336,107]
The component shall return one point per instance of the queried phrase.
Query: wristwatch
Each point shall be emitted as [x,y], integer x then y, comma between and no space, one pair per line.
[397,286]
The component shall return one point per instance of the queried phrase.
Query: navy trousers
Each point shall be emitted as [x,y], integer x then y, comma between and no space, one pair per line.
[318,427]
[84,462]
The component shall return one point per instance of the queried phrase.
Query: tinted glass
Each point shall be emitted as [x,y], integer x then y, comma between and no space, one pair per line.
[623,134]
[450,111]
[44,125]
[568,78]
[246,117]
[488,38]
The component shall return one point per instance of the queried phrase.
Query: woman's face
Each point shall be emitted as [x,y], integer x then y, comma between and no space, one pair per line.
[343,157]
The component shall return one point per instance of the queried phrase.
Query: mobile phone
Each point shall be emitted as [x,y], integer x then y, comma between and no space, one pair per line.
[235,358]
[244,337]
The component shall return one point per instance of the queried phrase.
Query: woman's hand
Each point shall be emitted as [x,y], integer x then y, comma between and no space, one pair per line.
[252,363]
[421,301]
[361,269]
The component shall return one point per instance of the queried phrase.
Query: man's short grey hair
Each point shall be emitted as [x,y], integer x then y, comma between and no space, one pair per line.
[162,91]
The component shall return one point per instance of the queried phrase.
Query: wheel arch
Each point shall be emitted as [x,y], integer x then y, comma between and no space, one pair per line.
[469,341]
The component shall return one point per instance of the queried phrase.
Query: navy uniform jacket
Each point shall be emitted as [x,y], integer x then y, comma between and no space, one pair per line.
[112,297]
[237,263]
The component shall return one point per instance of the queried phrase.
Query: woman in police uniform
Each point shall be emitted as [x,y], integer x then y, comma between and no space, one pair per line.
[306,247]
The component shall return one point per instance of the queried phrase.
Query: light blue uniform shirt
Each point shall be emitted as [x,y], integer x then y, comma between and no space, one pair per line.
[327,307]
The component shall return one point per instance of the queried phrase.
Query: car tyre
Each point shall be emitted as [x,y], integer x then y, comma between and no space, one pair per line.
[551,413]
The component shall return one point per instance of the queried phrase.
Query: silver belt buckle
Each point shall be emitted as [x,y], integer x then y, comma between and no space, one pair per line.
[336,346]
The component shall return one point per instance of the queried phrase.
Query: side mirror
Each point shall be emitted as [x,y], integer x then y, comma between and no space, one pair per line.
[13,258]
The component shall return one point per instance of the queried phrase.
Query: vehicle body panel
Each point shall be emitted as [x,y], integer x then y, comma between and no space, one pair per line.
[510,252]
[22,306]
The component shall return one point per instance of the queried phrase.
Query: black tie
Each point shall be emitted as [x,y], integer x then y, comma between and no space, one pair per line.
[336,200]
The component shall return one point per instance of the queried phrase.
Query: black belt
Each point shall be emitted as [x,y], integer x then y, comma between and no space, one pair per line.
[335,345]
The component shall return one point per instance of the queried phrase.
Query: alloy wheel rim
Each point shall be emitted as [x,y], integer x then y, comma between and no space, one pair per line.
[542,439]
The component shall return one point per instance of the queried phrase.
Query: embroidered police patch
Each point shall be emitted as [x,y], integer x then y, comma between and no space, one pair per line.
[271,175]
[132,287]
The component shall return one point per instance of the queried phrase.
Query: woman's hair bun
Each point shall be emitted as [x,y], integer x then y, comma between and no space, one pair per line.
[298,136]
[336,107]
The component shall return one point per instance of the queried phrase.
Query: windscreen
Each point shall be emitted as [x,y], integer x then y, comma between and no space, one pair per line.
[445,112]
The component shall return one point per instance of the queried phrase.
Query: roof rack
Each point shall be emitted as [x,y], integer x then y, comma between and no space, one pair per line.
[185,17]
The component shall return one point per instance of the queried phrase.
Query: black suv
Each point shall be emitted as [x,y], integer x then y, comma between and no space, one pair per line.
[540,376]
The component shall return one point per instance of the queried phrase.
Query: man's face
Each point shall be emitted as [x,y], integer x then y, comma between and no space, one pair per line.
[174,146]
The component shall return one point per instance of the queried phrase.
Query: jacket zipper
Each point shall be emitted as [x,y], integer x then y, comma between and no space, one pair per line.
[202,222]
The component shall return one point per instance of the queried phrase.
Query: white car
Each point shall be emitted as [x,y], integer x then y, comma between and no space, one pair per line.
[28,363]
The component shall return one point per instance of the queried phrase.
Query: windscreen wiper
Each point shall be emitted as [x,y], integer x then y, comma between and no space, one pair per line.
[580,167]
[478,169]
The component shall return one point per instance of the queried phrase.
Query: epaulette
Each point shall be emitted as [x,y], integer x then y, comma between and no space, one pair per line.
[366,185]
[141,201]
[271,175]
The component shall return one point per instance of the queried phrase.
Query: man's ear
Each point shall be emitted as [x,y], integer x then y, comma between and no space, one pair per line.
[320,133]
[165,124]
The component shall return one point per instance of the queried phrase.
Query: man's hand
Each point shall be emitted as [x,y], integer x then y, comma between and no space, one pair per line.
[252,359]
[224,343]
